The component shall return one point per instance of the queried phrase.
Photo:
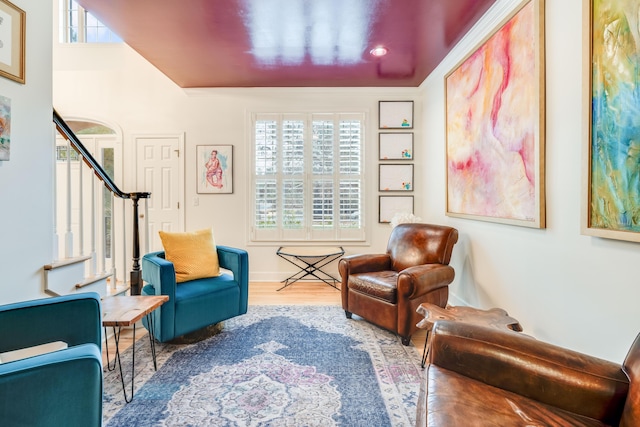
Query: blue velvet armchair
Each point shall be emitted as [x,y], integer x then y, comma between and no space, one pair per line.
[60,388]
[198,303]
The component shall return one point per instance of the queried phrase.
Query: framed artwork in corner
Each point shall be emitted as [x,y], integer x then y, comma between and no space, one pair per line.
[391,205]
[611,151]
[395,146]
[495,150]
[12,41]
[395,114]
[214,169]
[395,177]
[5,128]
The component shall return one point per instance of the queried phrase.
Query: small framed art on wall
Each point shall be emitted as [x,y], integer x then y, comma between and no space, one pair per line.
[395,114]
[214,166]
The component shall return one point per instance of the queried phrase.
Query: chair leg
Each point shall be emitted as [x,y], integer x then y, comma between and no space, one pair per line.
[405,340]
[348,314]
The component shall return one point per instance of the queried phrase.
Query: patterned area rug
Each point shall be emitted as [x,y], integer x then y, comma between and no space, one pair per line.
[275,366]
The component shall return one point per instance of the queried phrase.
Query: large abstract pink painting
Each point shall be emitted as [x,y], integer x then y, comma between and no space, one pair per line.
[495,125]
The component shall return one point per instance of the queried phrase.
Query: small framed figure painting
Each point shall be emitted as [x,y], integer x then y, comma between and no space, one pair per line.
[214,166]
[395,114]
[389,206]
[395,146]
[395,177]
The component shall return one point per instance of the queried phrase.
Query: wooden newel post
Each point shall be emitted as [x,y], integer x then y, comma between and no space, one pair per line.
[136,272]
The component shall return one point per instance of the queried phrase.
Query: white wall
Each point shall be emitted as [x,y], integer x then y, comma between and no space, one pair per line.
[573,290]
[25,180]
[115,85]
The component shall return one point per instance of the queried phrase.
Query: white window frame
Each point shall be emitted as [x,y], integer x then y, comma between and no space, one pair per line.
[307,232]
[65,25]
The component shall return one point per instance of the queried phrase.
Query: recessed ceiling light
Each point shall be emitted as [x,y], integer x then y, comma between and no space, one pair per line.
[379,51]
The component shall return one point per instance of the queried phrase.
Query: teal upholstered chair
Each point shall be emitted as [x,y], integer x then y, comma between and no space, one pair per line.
[59,388]
[198,303]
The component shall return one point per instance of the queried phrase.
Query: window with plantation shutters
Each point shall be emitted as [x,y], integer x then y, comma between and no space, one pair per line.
[307,177]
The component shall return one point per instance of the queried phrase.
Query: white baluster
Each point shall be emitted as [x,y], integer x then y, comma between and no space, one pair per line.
[56,249]
[68,248]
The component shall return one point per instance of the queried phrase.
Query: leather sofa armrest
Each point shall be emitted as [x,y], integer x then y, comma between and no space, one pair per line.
[354,264]
[515,362]
[414,282]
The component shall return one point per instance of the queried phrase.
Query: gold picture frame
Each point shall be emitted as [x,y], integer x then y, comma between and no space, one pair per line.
[12,41]
[495,124]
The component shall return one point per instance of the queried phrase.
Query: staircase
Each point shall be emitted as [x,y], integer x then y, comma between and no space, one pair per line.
[91,241]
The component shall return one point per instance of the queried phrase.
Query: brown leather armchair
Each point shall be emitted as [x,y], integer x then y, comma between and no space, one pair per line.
[386,289]
[481,376]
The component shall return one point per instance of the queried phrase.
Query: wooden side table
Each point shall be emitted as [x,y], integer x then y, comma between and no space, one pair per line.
[495,318]
[119,311]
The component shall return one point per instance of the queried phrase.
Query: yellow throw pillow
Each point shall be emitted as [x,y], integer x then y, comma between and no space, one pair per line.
[193,255]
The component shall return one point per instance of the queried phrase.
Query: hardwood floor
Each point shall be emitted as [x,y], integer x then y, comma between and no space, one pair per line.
[299,293]
[266,293]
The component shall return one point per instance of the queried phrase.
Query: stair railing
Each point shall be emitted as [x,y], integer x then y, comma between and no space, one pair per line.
[75,143]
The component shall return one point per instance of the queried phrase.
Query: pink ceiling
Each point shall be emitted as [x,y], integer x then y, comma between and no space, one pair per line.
[277,43]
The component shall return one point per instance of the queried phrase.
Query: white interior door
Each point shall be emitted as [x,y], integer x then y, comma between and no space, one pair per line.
[160,171]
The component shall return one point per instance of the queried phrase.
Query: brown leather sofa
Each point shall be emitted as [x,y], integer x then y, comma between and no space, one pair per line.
[479,376]
[386,289]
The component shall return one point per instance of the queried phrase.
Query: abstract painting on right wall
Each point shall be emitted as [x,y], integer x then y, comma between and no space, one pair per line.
[495,124]
[611,166]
